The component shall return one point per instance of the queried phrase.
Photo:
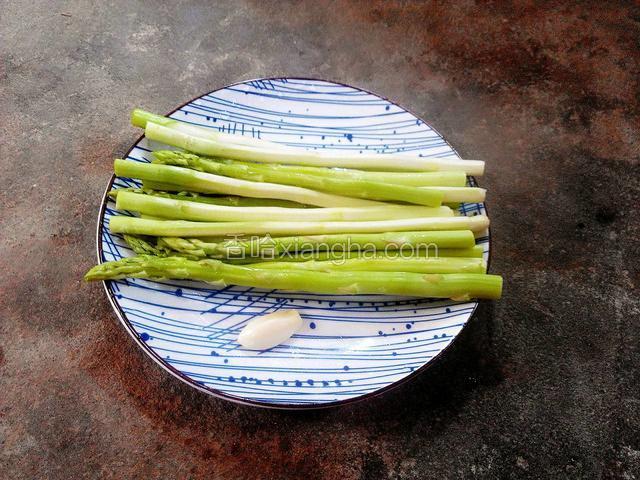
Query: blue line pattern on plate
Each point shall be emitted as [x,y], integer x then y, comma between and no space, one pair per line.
[349,346]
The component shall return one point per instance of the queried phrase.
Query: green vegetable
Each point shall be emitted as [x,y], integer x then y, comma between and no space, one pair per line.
[182,228]
[226,200]
[221,148]
[415,179]
[458,286]
[389,263]
[302,249]
[250,189]
[186,210]
[139,118]
[194,181]
[153,188]
[475,252]
[456,239]
[340,256]
[429,196]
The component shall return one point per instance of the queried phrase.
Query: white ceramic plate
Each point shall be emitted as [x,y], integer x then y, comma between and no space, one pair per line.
[350,347]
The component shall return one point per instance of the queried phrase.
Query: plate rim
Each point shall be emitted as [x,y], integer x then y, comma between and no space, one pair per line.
[247,401]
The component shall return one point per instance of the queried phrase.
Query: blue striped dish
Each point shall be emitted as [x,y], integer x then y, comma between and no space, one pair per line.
[350,346]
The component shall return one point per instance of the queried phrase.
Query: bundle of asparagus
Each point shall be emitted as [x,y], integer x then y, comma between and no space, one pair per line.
[295,217]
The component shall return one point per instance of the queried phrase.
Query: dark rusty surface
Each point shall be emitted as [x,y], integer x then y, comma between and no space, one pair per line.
[543,384]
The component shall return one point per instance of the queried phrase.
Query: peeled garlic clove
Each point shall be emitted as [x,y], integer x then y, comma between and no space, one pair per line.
[267,331]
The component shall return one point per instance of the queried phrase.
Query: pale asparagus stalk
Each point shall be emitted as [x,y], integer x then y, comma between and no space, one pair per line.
[187,210]
[434,241]
[181,228]
[385,264]
[208,183]
[139,118]
[226,200]
[295,249]
[391,162]
[475,252]
[428,196]
[415,179]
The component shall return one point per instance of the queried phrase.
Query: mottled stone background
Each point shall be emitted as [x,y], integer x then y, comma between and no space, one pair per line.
[542,384]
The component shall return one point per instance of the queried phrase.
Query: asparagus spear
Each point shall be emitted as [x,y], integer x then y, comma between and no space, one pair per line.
[475,252]
[467,194]
[207,183]
[186,210]
[157,188]
[389,263]
[226,200]
[451,196]
[182,228]
[415,179]
[139,118]
[458,286]
[151,187]
[252,251]
[352,188]
[391,162]
[275,246]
